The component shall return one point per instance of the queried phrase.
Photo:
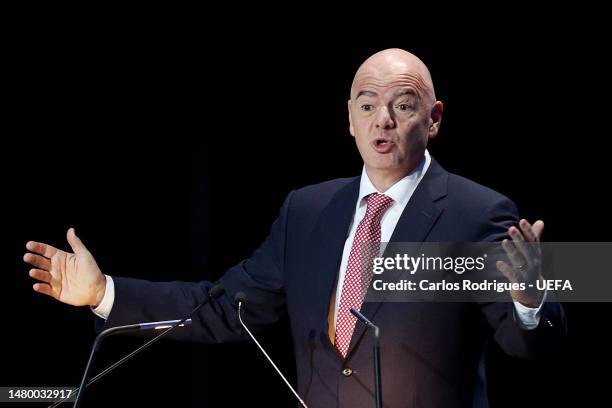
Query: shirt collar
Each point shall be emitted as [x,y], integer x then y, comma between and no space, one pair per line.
[401,191]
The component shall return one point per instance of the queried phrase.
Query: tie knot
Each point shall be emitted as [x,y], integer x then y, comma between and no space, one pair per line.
[377,204]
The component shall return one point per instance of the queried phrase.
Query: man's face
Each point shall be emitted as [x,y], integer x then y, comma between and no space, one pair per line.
[391,119]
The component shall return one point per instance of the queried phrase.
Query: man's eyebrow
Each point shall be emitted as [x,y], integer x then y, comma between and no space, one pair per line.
[406,91]
[366,93]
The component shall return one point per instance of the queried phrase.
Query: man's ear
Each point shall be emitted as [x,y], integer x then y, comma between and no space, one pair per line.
[351,129]
[435,118]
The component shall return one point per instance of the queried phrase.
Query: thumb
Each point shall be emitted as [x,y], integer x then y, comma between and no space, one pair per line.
[538,228]
[75,242]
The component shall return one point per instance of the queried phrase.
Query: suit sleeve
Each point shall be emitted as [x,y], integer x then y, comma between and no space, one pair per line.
[260,277]
[501,316]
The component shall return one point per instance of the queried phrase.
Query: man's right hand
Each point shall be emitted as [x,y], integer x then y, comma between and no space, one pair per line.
[72,278]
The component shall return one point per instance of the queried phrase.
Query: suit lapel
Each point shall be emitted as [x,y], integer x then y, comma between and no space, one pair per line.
[414,225]
[329,236]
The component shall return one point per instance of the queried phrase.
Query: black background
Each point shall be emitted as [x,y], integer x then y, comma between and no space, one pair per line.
[171,151]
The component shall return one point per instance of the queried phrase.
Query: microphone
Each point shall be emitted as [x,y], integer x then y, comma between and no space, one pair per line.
[376,352]
[167,325]
[239,299]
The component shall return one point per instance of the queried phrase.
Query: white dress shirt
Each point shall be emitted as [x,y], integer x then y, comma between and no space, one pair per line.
[400,192]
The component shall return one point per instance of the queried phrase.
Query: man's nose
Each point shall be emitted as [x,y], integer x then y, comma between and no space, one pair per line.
[384,120]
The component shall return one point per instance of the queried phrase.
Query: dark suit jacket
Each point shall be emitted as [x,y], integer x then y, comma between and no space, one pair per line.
[430,351]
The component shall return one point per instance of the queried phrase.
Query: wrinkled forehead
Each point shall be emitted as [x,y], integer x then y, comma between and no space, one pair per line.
[393,80]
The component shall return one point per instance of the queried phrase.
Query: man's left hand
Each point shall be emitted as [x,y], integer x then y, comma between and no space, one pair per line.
[525,256]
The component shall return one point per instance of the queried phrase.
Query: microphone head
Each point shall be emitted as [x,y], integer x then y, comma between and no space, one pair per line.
[240,297]
[361,317]
[216,291]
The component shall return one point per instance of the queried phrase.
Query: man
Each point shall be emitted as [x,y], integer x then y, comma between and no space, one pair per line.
[309,265]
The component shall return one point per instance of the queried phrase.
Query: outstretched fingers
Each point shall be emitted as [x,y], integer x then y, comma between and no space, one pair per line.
[43,288]
[38,261]
[41,249]
[40,275]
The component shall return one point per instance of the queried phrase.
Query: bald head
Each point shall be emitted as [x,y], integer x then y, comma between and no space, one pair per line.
[389,66]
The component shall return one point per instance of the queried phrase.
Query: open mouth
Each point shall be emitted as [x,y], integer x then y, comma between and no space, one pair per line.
[382,145]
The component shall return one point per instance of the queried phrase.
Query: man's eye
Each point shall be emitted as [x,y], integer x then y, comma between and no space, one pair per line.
[367,108]
[404,106]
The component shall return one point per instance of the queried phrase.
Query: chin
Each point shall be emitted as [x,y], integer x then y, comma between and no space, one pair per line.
[388,166]
[386,163]
[385,168]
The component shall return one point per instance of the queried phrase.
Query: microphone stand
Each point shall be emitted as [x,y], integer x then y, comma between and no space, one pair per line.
[376,352]
[239,299]
[168,325]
